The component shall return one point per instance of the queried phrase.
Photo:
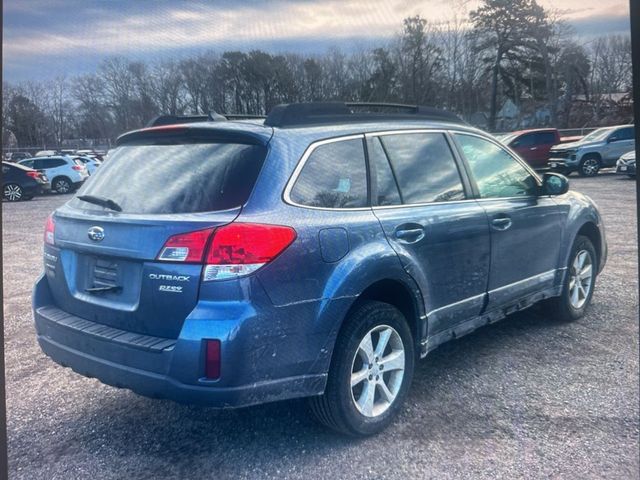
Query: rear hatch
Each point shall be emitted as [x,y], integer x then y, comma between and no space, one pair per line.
[103,265]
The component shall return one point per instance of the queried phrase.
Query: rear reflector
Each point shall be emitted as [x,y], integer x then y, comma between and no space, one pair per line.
[212,359]
[234,250]
[49,230]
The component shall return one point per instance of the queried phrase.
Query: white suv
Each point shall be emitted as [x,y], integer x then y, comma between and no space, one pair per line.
[66,174]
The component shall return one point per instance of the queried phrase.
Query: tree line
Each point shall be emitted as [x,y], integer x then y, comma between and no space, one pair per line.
[502,50]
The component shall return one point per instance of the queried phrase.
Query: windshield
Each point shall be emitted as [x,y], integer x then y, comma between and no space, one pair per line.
[596,135]
[175,178]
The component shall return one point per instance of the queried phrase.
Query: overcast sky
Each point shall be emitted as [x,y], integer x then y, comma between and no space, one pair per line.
[44,38]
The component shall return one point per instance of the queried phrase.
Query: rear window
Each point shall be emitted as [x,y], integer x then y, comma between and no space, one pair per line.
[156,179]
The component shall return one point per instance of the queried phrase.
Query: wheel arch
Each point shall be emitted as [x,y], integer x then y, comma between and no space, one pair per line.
[401,294]
[592,232]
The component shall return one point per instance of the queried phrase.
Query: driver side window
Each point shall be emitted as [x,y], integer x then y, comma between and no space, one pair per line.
[496,173]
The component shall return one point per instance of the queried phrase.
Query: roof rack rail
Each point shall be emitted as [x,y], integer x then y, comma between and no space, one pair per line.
[319,113]
[242,116]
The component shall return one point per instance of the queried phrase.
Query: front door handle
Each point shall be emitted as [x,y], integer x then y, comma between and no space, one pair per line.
[501,223]
[410,235]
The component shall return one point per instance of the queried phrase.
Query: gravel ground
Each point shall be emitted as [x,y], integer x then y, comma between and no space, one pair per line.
[524,398]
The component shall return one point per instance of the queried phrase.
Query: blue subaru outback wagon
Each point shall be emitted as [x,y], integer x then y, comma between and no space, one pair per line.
[318,253]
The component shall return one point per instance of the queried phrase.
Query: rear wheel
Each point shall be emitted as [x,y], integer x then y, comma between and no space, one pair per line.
[370,372]
[61,185]
[13,192]
[581,280]
[589,166]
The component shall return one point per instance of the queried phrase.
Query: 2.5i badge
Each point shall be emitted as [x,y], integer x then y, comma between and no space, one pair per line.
[170,288]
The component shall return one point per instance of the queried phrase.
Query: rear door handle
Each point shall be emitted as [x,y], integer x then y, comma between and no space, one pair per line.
[501,223]
[410,235]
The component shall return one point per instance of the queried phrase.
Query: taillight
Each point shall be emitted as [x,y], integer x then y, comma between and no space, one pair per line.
[33,174]
[78,168]
[234,250]
[186,247]
[239,249]
[212,359]
[49,230]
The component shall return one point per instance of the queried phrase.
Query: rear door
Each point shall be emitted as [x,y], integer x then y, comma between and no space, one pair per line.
[525,147]
[526,229]
[619,142]
[542,145]
[440,236]
[103,266]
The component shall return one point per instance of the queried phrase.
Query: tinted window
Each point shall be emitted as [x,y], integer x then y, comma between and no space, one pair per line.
[176,178]
[623,134]
[496,172]
[334,176]
[27,163]
[545,138]
[524,141]
[50,163]
[424,167]
[387,189]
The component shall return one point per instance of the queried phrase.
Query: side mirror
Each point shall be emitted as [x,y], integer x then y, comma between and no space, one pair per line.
[612,139]
[554,184]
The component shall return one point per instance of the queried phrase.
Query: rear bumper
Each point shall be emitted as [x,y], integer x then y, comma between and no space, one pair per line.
[154,385]
[173,368]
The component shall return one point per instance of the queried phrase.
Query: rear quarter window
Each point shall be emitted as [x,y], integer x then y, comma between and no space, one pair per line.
[333,176]
[176,178]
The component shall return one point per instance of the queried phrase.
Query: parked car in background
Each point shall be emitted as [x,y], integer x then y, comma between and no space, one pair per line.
[533,145]
[599,149]
[65,173]
[16,156]
[626,164]
[22,183]
[91,163]
[46,153]
[319,255]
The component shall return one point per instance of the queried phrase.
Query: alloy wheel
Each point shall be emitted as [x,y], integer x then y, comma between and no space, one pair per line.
[580,282]
[13,193]
[590,166]
[377,371]
[62,186]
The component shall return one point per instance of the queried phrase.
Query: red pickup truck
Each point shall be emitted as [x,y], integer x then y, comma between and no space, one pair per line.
[534,145]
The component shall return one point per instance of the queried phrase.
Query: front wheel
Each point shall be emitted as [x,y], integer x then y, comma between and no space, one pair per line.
[589,166]
[581,280]
[370,372]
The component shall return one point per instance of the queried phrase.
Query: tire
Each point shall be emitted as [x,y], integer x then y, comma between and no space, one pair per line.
[13,192]
[589,166]
[62,185]
[565,308]
[337,408]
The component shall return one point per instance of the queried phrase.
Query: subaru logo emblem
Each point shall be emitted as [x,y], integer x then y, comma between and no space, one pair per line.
[96,234]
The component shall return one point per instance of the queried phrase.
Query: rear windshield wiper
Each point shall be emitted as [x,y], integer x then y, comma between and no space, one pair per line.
[103,202]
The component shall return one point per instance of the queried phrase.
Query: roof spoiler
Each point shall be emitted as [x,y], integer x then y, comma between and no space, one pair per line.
[162,120]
